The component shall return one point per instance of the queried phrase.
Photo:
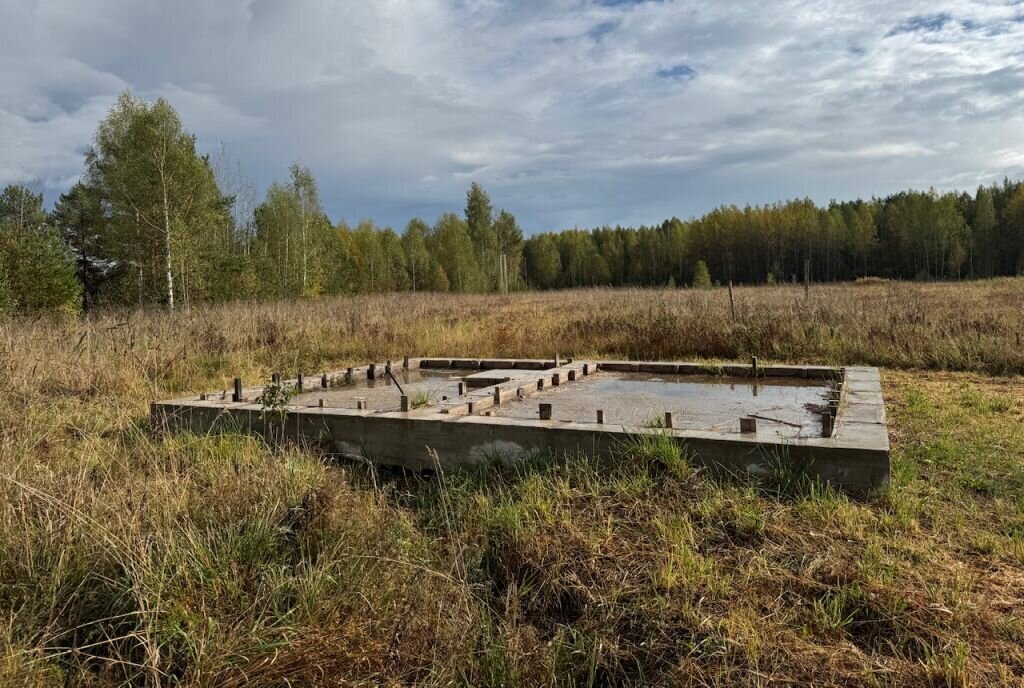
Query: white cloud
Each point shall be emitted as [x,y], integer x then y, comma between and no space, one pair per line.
[568,112]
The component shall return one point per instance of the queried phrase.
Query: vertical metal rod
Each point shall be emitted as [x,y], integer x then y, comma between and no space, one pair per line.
[668,419]
[545,411]
[600,415]
[237,394]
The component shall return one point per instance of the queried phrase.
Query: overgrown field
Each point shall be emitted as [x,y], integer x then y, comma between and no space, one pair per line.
[182,560]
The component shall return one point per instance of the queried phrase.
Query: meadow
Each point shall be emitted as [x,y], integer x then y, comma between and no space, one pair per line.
[132,557]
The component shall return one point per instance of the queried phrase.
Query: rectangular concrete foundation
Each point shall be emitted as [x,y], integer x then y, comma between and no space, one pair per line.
[827,421]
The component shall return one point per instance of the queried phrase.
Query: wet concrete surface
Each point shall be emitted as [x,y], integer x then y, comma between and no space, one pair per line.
[784,406]
[382,394]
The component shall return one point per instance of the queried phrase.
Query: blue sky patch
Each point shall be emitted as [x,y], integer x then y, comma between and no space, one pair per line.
[679,72]
[923,23]
[602,30]
[622,3]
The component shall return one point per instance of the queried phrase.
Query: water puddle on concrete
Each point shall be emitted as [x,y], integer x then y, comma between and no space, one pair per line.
[382,394]
[783,407]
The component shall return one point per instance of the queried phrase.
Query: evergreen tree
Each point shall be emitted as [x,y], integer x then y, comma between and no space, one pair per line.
[37,268]
[1014,223]
[984,237]
[701,275]
[80,218]
[439,279]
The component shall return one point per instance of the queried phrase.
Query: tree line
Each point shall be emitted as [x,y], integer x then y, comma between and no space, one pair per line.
[909,235]
[153,221]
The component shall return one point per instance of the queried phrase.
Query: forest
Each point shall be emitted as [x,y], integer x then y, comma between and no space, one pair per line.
[153,221]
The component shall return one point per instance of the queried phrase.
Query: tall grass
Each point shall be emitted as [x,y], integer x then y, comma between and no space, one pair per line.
[180,560]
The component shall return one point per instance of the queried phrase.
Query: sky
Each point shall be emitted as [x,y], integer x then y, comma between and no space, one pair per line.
[568,112]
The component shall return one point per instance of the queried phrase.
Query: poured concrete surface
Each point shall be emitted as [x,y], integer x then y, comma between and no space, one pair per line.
[487,378]
[463,431]
[785,408]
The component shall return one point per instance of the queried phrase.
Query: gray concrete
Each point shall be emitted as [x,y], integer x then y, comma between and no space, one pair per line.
[855,457]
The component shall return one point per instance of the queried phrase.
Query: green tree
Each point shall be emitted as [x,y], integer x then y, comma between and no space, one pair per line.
[341,261]
[21,208]
[543,261]
[1015,232]
[439,279]
[37,268]
[79,217]
[7,302]
[452,248]
[163,202]
[294,239]
[371,258]
[509,240]
[984,237]
[395,275]
[701,275]
[480,228]
[417,257]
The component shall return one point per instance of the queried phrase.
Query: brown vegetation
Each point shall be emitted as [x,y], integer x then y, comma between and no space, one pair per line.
[221,561]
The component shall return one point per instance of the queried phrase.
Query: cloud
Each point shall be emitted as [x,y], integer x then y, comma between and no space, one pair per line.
[570,112]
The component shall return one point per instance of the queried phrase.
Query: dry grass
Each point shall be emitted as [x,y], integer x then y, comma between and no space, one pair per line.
[220,561]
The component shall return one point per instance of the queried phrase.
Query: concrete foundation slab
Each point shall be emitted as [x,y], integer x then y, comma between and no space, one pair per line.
[356,415]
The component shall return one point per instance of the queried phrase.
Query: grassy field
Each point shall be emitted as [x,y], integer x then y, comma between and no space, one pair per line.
[219,561]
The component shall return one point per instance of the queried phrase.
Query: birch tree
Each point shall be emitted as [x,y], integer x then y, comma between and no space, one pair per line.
[162,197]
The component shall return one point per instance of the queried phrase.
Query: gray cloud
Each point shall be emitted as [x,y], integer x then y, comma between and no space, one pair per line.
[568,112]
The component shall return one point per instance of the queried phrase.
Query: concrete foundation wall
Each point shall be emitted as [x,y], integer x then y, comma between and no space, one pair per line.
[854,458]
